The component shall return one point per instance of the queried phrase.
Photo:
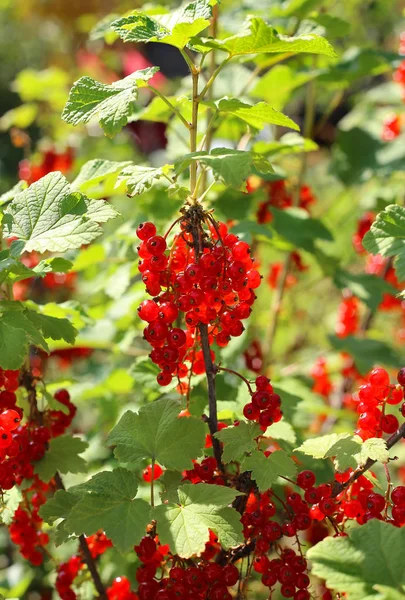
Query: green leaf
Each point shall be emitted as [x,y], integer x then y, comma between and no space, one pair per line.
[294,8]
[294,225]
[13,346]
[157,433]
[98,178]
[58,507]
[387,237]
[233,167]
[11,194]
[185,525]
[374,448]
[367,352]
[247,230]
[108,502]
[62,456]
[20,327]
[238,440]
[320,447]
[369,288]
[257,115]
[48,216]
[371,555]
[175,28]
[9,503]
[138,179]
[171,481]
[289,143]
[334,26]
[282,431]
[265,471]
[278,84]
[258,37]
[346,450]
[112,104]
[53,327]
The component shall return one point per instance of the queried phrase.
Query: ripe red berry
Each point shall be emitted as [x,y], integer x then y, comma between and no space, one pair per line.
[379,377]
[401,377]
[145,230]
[9,420]
[398,495]
[147,473]
[306,479]
[389,423]
[230,575]
[148,311]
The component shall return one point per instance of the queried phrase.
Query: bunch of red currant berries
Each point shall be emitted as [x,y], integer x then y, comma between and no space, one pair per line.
[212,287]
[374,396]
[207,580]
[264,407]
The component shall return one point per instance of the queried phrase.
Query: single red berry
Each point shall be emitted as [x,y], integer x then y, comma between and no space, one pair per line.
[389,423]
[401,377]
[398,495]
[306,479]
[379,377]
[145,230]
[147,473]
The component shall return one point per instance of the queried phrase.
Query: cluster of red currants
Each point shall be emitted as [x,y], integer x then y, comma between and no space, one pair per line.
[207,580]
[206,471]
[213,288]
[50,161]
[264,407]
[289,570]
[278,196]
[374,396]
[23,445]
[322,382]
[25,529]
[253,356]
[121,590]
[276,271]
[69,570]
[347,317]
[363,226]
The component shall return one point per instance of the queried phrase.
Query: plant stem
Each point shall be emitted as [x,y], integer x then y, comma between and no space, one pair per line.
[152,485]
[211,114]
[170,105]
[338,488]
[193,133]
[88,559]
[210,368]
[212,79]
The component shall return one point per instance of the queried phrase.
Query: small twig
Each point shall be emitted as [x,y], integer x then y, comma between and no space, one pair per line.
[88,559]
[237,375]
[338,488]
[170,105]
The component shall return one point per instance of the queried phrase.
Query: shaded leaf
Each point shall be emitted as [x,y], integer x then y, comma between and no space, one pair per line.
[357,563]
[185,525]
[157,433]
[266,470]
